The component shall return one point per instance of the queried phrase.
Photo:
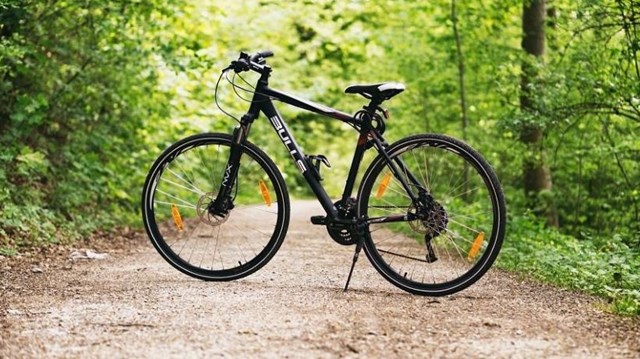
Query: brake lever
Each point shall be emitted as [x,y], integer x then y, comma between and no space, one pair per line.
[238,66]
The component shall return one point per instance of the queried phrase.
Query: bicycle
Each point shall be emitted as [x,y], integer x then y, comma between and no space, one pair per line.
[429,211]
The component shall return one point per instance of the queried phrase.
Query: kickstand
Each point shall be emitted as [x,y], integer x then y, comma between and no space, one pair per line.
[431,255]
[353,264]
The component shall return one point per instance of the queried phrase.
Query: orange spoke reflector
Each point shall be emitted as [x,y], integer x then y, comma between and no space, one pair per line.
[176,217]
[383,185]
[265,193]
[475,246]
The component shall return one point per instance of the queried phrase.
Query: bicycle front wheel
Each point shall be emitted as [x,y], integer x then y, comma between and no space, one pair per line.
[460,235]
[183,182]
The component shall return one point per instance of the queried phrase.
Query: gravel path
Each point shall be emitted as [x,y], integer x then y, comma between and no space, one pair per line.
[133,304]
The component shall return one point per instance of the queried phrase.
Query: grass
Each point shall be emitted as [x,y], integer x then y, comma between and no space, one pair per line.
[606,267]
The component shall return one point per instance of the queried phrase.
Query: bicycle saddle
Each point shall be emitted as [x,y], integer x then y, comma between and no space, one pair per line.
[382,91]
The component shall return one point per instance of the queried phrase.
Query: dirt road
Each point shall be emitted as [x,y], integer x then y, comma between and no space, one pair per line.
[133,304]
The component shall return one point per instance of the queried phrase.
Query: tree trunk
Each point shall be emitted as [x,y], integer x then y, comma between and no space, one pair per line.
[463,94]
[536,173]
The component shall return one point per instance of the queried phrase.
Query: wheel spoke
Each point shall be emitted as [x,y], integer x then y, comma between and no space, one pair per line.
[176,204]
[190,183]
[185,203]
[190,189]
[403,256]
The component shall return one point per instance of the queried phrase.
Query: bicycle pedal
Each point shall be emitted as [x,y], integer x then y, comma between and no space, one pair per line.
[320,220]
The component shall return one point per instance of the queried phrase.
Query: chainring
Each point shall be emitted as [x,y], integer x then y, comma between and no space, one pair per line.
[342,233]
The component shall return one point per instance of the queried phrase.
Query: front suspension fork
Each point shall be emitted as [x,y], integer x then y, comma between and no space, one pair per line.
[224,200]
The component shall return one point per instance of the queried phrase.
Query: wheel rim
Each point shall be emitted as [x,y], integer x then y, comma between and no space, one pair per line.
[209,246]
[464,222]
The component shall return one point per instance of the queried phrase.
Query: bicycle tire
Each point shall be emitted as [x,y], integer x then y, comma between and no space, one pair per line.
[395,251]
[227,252]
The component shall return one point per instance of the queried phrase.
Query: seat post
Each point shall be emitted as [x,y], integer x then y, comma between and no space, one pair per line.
[373,105]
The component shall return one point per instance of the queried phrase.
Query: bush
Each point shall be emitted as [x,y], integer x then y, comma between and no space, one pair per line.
[606,267]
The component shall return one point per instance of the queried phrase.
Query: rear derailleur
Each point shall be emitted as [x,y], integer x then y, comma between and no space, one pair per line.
[431,220]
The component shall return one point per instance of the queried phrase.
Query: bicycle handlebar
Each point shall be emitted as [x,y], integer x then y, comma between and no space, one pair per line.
[261,55]
[247,62]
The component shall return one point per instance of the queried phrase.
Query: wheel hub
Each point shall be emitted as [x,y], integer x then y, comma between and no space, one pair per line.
[207,216]
[430,222]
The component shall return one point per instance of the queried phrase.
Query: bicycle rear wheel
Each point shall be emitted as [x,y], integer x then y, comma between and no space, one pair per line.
[461,235]
[179,187]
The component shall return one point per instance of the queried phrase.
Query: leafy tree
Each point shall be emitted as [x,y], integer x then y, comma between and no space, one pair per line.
[75,84]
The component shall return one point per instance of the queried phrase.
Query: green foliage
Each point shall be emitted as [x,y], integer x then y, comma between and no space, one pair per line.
[586,103]
[604,266]
[75,79]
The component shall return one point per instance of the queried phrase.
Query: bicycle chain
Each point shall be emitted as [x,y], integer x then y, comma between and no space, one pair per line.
[388,207]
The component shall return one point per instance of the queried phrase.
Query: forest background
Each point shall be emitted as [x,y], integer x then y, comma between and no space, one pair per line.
[91,91]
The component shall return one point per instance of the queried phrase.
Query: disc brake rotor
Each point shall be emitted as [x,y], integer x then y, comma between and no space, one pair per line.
[202,209]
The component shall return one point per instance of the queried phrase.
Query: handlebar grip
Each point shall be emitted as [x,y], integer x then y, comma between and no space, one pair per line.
[261,54]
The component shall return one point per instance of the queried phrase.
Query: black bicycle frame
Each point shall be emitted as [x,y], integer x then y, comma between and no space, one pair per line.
[262,102]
